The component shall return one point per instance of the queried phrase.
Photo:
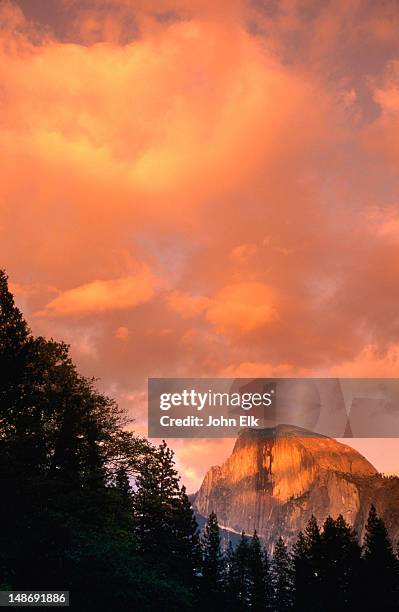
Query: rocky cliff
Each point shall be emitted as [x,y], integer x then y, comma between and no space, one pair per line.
[275,479]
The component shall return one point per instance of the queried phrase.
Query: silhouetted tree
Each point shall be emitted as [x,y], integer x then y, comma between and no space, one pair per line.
[212,583]
[231,578]
[380,571]
[165,527]
[188,550]
[340,568]
[282,578]
[303,573]
[259,576]
[314,557]
[242,572]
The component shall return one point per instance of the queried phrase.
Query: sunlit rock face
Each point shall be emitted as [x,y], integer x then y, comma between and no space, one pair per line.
[275,479]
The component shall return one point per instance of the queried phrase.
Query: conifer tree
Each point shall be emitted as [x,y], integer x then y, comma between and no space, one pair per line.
[268,580]
[314,561]
[282,578]
[242,572]
[187,560]
[380,567]
[303,570]
[155,498]
[231,578]
[340,566]
[165,528]
[259,578]
[14,331]
[212,583]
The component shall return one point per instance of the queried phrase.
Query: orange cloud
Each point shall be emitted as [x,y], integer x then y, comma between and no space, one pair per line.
[187,305]
[371,361]
[102,296]
[243,252]
[122,333]
[382,135]
[385,222]
[250,369]
[243,307]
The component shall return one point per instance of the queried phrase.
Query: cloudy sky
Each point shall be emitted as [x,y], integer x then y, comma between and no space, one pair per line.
[199,188]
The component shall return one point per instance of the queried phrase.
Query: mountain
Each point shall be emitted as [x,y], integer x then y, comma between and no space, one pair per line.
[276,478]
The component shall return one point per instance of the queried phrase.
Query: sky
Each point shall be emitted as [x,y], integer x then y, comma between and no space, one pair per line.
[191,188]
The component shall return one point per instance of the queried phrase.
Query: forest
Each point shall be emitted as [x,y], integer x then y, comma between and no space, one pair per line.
[90,507]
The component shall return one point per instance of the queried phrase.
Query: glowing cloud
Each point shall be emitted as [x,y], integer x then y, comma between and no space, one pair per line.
[187,305]
[102,296]
[243,307]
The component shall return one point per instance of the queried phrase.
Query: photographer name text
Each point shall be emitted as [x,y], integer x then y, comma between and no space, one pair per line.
[212,421]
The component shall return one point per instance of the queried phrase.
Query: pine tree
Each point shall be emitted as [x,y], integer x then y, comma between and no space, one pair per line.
[314,561]
[14,331]
[340,566]
[20,417]
[303,570]
[157,486]
[268,580]
[231,579]
[187,560]
[165,528]
[242,573]
[380,567]
[212,564]
[282,578]
[258,575]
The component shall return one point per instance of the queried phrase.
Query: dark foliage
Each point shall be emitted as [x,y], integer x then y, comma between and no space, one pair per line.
[380,582]
[212,581]
[67,514]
